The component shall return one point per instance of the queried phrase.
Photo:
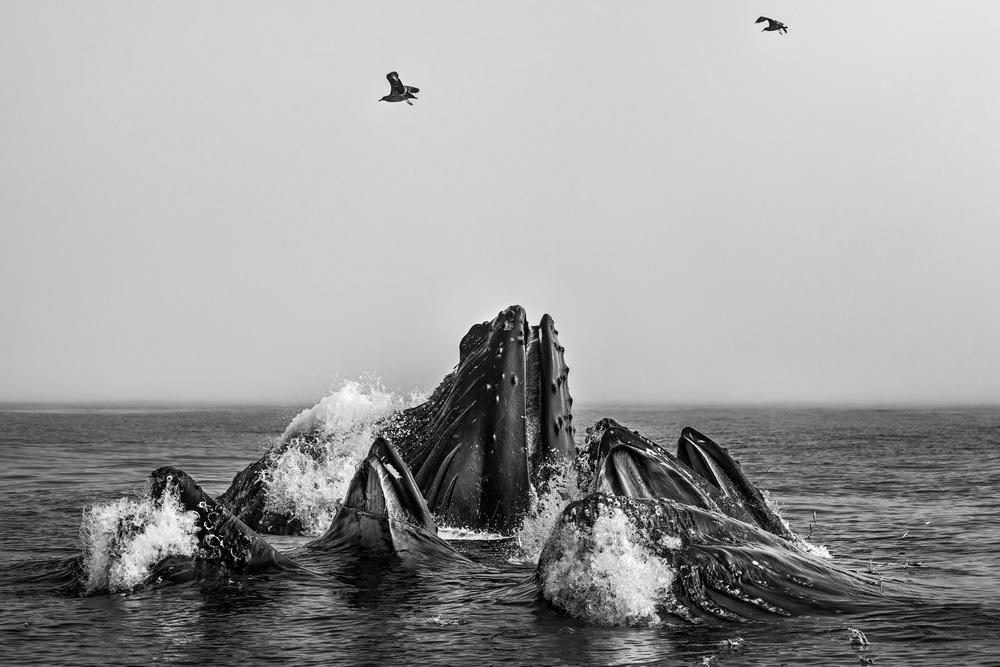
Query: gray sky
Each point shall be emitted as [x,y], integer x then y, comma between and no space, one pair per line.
[205,201]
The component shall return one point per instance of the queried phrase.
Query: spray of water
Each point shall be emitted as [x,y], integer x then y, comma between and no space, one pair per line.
[123,540]
[604,575]
[324,446]
[545,511]
[799,541]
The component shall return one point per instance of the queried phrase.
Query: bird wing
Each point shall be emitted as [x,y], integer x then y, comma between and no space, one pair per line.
[395,83]
[762,19]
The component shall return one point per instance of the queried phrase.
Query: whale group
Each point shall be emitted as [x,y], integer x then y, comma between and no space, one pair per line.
[496,435]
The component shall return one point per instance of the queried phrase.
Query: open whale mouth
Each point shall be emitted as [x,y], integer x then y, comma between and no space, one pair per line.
[620,462]
[384,487]
[623,463]
[714,464]
[383,511]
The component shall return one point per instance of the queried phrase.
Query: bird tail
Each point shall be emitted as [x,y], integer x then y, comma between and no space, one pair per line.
[411,89]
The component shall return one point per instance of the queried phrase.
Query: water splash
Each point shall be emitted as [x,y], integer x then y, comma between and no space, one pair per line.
[325,445]
[545,511]
[604,575]
[123,540]
[819,550]
[799,541]
[464,534]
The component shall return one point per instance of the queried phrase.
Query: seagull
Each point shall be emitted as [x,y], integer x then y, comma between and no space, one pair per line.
[772,24]
[399,93]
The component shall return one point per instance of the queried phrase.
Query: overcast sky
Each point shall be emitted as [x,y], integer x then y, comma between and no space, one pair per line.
[206,201]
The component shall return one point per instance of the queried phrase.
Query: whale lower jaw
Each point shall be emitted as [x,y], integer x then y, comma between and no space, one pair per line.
[384,512]
[714,464]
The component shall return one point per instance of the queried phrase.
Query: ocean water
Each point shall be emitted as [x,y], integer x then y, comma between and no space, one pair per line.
[911,496]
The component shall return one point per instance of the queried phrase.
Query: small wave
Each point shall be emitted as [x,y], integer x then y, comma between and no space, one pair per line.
[123,540]
[325,445]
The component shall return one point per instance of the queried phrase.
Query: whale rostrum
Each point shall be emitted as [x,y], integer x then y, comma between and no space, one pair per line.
[490,433]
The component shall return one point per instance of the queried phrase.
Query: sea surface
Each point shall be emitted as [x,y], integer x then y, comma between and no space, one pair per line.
[908,495]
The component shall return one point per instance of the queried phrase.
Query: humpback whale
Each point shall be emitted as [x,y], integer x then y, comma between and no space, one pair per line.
[652,537]
[704,541]
[174,533]
[222,538]
[481,446]
[692,565]
[489,435]
[618,461]
[383,512]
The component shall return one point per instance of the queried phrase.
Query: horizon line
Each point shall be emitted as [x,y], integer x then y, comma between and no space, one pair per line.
[587,405]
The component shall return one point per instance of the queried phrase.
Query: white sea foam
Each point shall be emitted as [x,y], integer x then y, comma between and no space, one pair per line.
[355,405]
[605,575]
[123,540]
[816,550]
[459,534]
[545,511]
[327,443]
[801,542]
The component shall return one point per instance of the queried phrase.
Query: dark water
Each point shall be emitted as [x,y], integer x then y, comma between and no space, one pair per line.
[910,495]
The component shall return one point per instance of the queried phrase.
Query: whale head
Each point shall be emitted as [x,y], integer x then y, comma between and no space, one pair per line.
[491,434]
[616,461]
[383,511]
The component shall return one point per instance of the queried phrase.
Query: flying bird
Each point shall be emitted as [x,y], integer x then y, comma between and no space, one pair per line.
[772,24]
[399,92]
